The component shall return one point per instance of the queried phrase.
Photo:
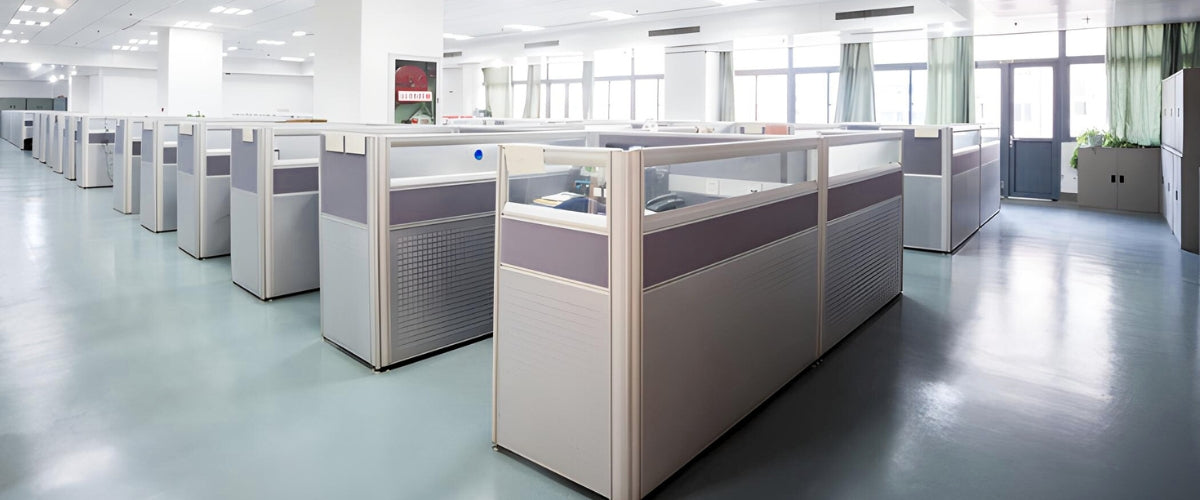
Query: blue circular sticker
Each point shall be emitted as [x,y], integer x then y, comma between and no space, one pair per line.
[479,154]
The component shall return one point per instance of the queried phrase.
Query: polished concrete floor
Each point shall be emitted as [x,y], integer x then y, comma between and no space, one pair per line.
[1055,356]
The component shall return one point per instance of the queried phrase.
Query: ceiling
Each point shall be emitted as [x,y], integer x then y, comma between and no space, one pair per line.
[103,24]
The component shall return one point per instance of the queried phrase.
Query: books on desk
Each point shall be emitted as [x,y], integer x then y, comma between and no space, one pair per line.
[555,200]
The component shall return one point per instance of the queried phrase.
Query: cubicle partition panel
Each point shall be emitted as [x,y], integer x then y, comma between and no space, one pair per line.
[95,152]
[989,175]
[68,126]
[54,151]
[657,331]
[157,193]
[127,158]
[953,185]
[39,139]
[965,184]
[429,233]
[16,127]
[204,188]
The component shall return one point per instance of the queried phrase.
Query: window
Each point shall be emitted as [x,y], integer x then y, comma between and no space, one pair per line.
[987,96]
[892,97]
[812,104]
[900,51]
[1089,98]
[1042,45]
[820,56]
[745,89]
[920,94]
[760,59]
[1033,102]
[771,99]
[1090,42]
[628,85]
[648,92]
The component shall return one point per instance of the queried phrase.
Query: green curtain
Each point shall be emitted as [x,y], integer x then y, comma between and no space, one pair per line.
[856,86]
[1134,67]
[725,94]
[498,85]
[951,94]
[533,92]
[1189,39]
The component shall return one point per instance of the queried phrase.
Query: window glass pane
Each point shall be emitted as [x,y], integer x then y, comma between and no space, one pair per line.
[647,100]
[575,101]
[745,89]
[518,110]
[1089,98]
[760,59]
[1021,46]
[1033,102]
[558,100]
[834,78]
[620,100]
[900,51]
[891,97]
[920,94]
[612,63]
[812,104]
[600,101]
[987,96]
[819,56]
[772,98]
[572,70]
[1092,42]
[649,61]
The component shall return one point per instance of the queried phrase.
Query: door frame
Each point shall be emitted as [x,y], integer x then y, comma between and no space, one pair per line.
[1059,127]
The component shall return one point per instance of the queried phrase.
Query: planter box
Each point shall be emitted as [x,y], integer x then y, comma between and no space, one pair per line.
[1120,178]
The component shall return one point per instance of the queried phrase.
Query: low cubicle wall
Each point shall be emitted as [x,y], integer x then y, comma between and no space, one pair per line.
[16,127]
[68,130]
[656,331]
[94,149]
[157,177]
[127,159]
[203,180]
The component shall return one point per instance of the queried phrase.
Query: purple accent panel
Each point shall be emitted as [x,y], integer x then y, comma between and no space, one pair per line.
[678,251]
[849,198]
[964,162]
[170,156]
[432,203]
[921,156]
[137,148]
[344,185]
[102,138]
[218,165]
[296,180]
[557,251]
[990,153]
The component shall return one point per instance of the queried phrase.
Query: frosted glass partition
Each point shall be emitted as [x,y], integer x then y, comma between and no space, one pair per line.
[862,156]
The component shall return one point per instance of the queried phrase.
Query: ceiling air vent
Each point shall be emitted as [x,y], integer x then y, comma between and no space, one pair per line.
[451,54]
[538,45]
[864,14]
[675,31]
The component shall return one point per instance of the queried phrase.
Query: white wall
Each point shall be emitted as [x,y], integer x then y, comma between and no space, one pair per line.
[79,99]
[691,80]
[451,85]
[190,70]
[268,95]
[27,88]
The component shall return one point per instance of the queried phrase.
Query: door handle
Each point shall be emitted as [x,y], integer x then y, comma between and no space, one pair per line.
[1113,180]
[1122,179]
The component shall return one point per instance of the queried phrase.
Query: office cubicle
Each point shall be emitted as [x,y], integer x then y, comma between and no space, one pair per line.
[203,187]
[157,192]
[16,127]
[656,332]
[94,150]
[406,239]
[952,176]
[39,136]
[70,137]
[127,158]
[54,139]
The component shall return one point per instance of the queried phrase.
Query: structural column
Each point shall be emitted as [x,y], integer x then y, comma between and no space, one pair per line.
[691,85]
[190,72]
[358,43]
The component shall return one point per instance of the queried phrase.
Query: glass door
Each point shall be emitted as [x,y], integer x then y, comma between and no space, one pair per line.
[1033,168]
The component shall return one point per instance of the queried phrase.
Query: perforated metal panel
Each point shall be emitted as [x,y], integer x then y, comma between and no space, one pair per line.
[441,281]
[863,268]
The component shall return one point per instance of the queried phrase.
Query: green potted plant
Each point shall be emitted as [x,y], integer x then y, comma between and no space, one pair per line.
[1090,138]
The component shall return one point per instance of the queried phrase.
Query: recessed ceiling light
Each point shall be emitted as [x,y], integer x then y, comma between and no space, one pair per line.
[299,33]
[153,42]
[244,12]
[53,78]
[22,41]
[612,15]
[217,10]
[26,8]
[271,42]
[30,23]
[44,23]
[312,54]
[14,40]
[43,10]
[231,49]
[59,12]
[153,33]
[292,59]
[14,21]
[523,27]
[6,32]
[134,48]
[452,36]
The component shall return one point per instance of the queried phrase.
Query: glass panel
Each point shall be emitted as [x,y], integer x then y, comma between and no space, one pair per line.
[900,51]
[612,63]
[987,96]
[866,156]
[745,89]
[569,70]
[600,101]
[820,56]
[558,101]
[834,79]
[575,101]
[1033,102]
[567,188]
[1091,42]
[771,104]
[649,61]
[760,59]
[1089,98]
[812,104]
[920,94]
[647,100]
[620,99]
[891,97]
[1021,46]
[675,187]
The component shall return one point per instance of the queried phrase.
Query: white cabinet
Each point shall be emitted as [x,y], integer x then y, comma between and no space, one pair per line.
[1181,156]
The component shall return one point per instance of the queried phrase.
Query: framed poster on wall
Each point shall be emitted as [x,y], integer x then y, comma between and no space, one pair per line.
[416,91]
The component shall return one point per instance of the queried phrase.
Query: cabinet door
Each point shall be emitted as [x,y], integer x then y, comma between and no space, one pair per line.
[1177,203]
[1178,100]
[1168,111]
[1137,188]
[1097,176]
[1166,193]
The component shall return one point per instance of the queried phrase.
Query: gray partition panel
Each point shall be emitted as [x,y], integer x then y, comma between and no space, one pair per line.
[921,155]
[923,212]
[964,161]
[244,164]
[346,305]
[849,198]
[964,206]
[557,251]
[441,202]
[186,155]
[684,249]
[344,186]
[295,245]
[864,268]
[245,242]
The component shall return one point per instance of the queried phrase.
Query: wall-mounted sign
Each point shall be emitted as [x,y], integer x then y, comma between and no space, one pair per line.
[416,88]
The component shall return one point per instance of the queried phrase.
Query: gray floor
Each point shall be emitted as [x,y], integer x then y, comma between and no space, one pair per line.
[1054,357]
